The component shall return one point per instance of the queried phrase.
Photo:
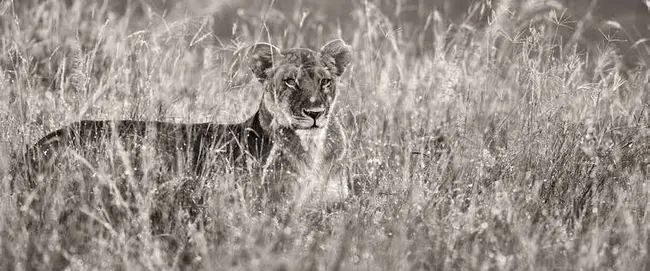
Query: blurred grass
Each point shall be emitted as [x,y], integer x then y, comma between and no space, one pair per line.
[480,148]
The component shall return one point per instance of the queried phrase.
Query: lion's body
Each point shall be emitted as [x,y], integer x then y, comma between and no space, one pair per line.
[176,143]
[293,137]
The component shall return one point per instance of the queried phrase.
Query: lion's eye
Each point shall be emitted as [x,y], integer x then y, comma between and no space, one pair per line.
[290,82]
[325,82]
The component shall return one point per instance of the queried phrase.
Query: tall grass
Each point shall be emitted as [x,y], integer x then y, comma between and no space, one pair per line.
[467,155]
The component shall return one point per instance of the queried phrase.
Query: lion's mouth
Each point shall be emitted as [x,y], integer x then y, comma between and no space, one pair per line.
[314,126]
[305,124]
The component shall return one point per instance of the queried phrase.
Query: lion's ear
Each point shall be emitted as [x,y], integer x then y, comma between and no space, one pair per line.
[340,52]
[260,58]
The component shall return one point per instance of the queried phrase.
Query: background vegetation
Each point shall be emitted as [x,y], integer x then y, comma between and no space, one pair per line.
[487,135]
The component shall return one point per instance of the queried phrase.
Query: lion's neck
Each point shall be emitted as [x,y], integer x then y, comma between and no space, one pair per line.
[312,143]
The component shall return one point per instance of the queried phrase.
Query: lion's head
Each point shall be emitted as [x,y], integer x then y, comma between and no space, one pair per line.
[299,84]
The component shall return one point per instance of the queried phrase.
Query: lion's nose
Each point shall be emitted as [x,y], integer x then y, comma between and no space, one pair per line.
[313,113]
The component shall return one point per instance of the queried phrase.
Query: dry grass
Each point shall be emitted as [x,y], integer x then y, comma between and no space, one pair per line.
[471,158]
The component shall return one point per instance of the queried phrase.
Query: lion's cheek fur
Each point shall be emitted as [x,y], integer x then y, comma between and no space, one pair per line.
[278,108]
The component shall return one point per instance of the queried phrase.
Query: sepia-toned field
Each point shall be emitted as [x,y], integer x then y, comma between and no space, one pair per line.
[490,144]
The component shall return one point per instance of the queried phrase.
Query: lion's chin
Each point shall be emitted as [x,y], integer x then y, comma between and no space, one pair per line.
[304,124]
[308,127]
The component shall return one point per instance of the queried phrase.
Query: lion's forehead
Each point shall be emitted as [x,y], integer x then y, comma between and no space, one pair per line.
[301,56]
[303,62]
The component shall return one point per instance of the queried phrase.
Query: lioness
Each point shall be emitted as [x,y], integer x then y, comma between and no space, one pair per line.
[293,135]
